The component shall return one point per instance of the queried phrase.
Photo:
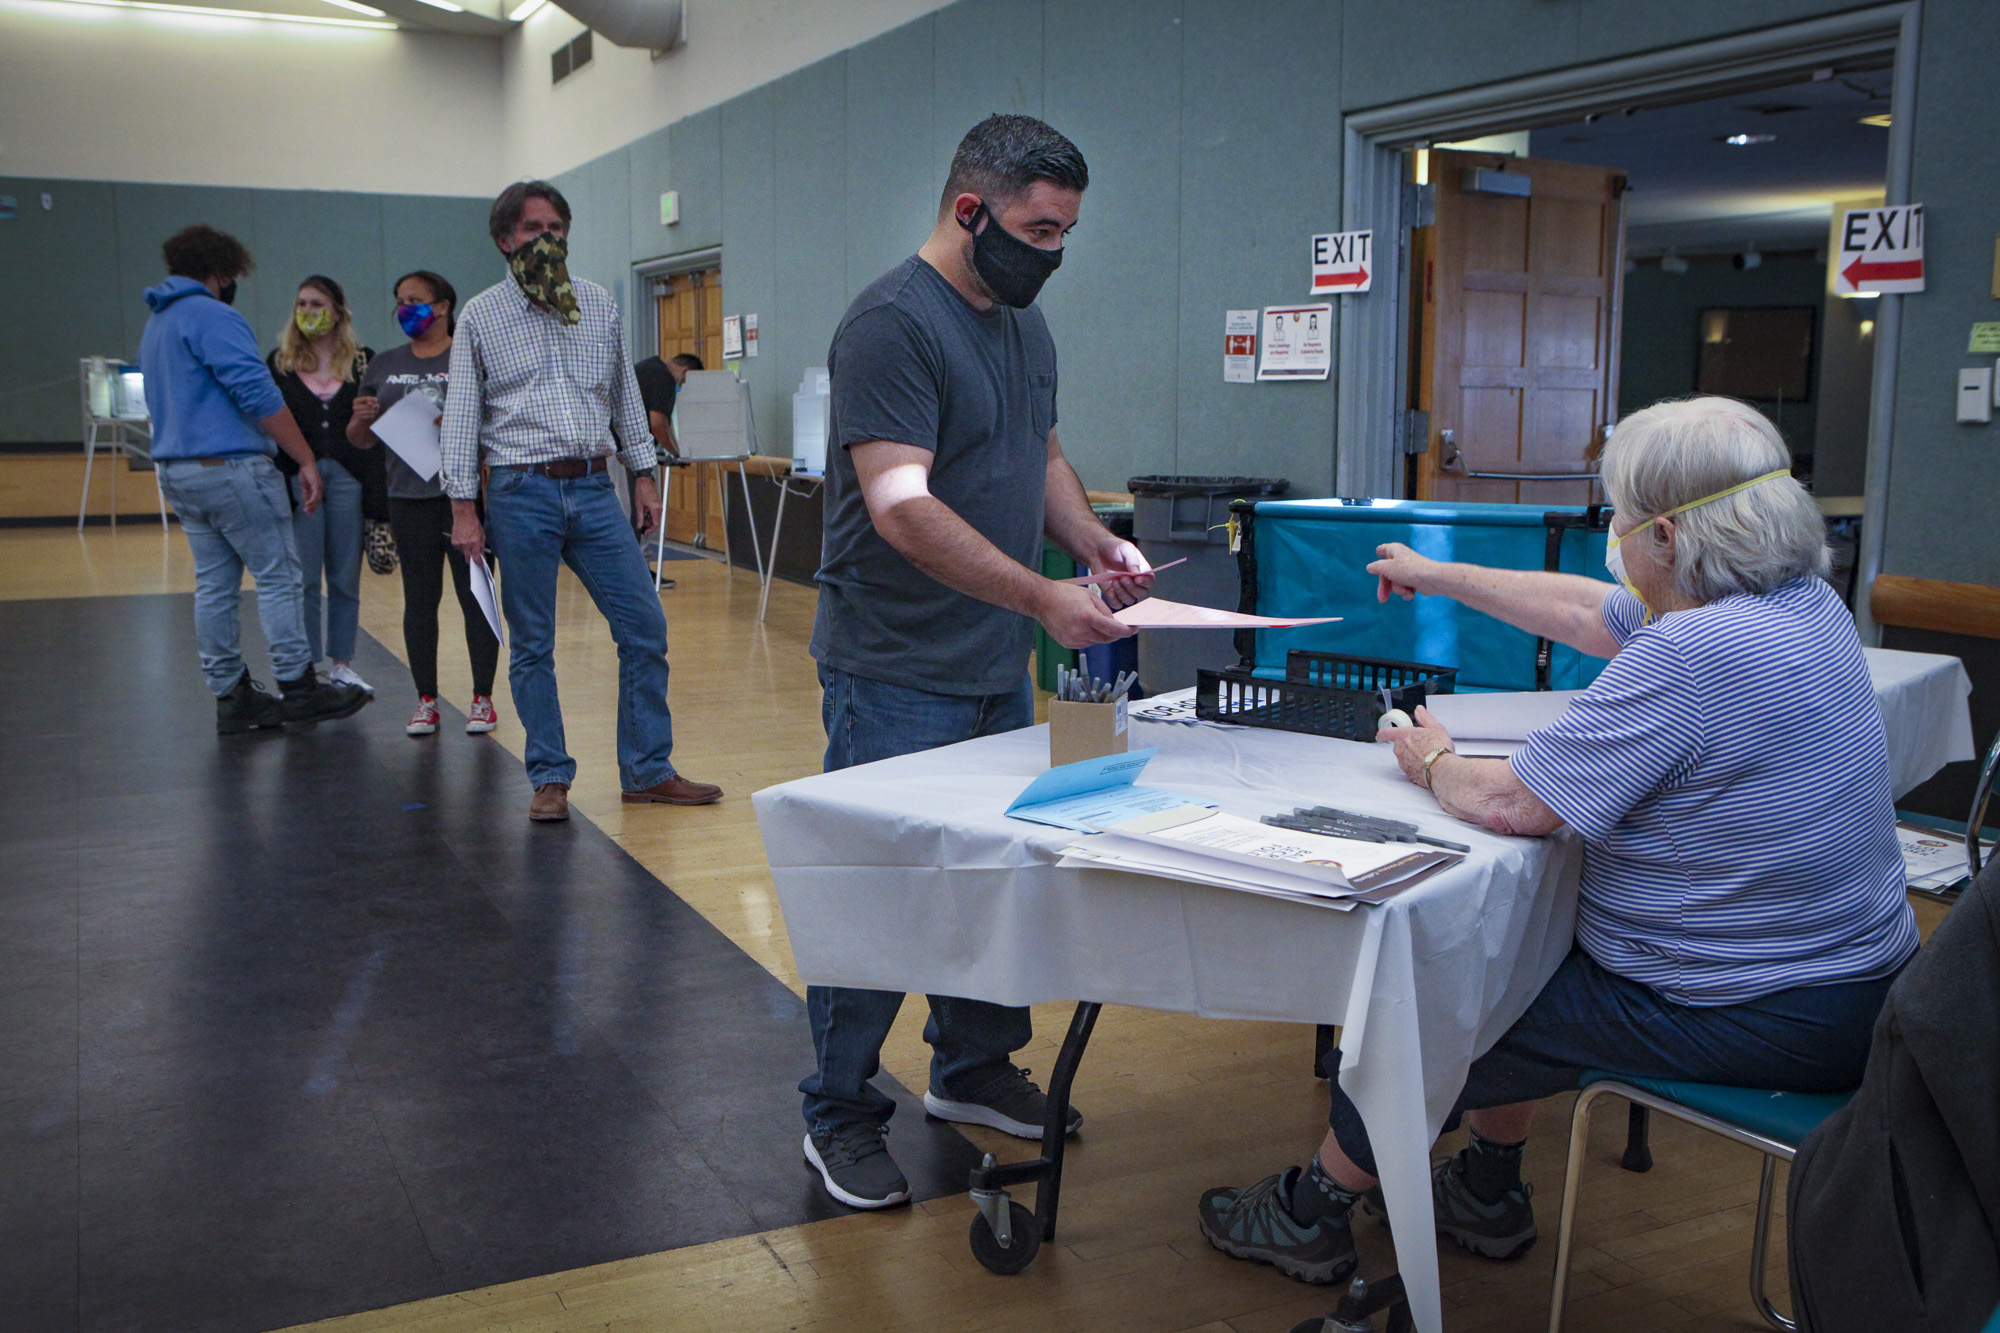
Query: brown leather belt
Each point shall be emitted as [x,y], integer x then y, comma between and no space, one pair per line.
[562,469]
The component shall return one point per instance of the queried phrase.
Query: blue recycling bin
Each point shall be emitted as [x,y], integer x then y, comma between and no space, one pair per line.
[1310,558]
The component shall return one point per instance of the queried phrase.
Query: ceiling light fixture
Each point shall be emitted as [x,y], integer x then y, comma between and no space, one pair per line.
[359,8]
[1751,257]
[445,5]
[525,10]
[1748,140]
[1671,262]
[155,8]
[1880,122]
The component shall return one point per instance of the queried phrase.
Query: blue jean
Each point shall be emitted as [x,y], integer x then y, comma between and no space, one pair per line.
[329,540]
[971,1041]
[1812,1039]
[536,524]
[236,517]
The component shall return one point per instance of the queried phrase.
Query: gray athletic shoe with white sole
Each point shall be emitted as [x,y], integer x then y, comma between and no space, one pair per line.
[1011,1104]
[855,1165]
[1257,1224]
[1504,1229]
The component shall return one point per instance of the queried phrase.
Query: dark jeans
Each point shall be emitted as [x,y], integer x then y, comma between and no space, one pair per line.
[971,1041]
[423,549]
[1813,1039]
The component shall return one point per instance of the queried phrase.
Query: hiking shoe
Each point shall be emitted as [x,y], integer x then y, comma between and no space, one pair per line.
[247,708]
[855,1165]
[309,700]
[345,675]
[482,716]
[1502,1230]
[1257,1224]
[423,722]
[1011,1104]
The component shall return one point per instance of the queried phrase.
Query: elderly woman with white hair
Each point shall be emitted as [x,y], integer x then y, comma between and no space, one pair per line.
[1742,911]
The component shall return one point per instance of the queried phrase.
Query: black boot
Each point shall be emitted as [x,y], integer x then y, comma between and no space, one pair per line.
[247,708]
[309,700]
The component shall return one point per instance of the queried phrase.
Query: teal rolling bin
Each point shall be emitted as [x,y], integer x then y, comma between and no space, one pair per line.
[1310,558]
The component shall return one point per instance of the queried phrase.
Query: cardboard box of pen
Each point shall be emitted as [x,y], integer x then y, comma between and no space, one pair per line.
[1087,717]
[1323,694]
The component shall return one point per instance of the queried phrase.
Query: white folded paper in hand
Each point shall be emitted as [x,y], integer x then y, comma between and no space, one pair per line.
[411,429]
[487,596]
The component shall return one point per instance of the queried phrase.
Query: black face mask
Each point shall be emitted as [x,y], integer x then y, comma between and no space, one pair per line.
[227,292]
[1012,270]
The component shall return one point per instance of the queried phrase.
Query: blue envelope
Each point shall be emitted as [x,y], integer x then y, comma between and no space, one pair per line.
[1089,795]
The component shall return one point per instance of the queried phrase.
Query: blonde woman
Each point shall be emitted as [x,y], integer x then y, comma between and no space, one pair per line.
[318,365]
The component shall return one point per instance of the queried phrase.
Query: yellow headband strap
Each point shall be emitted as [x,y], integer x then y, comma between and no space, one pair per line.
[1739,486]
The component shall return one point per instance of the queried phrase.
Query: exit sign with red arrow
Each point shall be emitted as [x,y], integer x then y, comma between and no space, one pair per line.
[1881,250]
[1342,262]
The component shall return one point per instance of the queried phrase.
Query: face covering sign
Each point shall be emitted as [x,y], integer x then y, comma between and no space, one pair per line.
[1298,342]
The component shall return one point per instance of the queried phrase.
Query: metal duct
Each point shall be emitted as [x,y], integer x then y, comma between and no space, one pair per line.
[655,25]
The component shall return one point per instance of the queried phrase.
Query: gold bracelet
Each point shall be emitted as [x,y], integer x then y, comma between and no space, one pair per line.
[1431,759]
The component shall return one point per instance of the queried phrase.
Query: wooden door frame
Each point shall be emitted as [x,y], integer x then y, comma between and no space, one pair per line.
[645,333]
[1373,364]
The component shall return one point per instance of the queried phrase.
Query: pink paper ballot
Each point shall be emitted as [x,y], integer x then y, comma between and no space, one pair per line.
[1159,613]
[1116,574]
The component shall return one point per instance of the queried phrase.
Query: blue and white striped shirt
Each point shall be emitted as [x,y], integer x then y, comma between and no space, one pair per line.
[1730,776]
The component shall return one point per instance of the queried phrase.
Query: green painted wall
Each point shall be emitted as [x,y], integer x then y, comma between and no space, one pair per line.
[77,271]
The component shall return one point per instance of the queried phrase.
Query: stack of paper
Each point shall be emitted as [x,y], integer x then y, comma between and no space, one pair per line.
[1497,725]
[1934,861]
[1227,852]
[1175,707]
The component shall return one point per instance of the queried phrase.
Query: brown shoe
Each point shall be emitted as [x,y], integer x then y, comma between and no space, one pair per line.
[677,790]
[551,802]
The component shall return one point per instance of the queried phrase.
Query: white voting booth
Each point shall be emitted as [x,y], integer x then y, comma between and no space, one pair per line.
[714,423]
[812,409]
[113,395]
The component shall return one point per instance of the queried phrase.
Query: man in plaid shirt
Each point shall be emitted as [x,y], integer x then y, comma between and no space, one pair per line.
[543,394]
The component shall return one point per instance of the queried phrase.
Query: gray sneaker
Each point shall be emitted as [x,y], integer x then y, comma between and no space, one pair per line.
[1257,1224]
[855,1164]
[1502,1230]
[1011,1104]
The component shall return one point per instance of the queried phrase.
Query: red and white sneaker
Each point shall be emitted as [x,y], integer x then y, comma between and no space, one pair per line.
[482,717]
[424,722]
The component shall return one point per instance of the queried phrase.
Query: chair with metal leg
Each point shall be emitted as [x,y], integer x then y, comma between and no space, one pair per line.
[1774,1123]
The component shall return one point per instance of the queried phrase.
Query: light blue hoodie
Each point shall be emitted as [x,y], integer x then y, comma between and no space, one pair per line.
[207,386]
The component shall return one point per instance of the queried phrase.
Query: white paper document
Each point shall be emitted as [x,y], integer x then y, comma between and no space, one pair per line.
[488,597]
[411,429]
[1934,860]
[1498,717]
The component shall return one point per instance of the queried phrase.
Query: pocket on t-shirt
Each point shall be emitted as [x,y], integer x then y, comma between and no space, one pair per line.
[1042,401]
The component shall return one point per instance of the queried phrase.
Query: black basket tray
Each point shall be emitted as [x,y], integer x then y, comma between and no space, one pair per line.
[1323,694]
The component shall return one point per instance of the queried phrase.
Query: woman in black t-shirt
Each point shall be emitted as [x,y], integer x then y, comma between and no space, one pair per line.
[317,365]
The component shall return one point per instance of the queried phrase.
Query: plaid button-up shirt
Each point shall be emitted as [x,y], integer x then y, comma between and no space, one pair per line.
[528,388]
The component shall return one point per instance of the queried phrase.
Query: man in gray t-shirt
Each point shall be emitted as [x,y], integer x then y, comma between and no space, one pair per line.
[945,477]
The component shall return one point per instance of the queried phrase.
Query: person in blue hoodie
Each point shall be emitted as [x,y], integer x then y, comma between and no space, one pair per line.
[216,413]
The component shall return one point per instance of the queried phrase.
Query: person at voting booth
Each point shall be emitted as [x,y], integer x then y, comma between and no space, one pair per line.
[419,512]
[945,474]
[542,392]
[1741,913]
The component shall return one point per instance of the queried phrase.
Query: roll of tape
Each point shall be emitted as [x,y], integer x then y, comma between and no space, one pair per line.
[1396,717]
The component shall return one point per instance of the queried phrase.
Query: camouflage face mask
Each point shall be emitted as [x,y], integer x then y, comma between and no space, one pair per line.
[543,272]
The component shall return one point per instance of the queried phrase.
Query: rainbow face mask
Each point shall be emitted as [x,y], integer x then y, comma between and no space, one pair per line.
[1614,559]
[415,318]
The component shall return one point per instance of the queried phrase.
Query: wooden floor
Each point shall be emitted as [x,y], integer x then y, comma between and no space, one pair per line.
[1174,1104]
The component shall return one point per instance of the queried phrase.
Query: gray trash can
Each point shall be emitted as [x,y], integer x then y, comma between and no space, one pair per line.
[1174,517]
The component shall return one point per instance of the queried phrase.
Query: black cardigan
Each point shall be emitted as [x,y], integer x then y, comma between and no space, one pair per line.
[324,424]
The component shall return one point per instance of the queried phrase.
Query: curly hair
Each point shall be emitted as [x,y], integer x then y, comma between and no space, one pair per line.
[201,252]
[295,352]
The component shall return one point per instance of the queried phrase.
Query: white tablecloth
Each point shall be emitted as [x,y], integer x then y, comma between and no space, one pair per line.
[905,875]
[1923,698]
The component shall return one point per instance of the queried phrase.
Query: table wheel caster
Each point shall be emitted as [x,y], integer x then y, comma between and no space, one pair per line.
[1005,1235]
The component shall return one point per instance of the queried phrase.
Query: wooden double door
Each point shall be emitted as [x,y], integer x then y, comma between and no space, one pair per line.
[688,307]
[1517,286]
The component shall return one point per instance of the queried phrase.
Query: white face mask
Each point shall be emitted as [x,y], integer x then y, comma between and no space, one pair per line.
[1614,559]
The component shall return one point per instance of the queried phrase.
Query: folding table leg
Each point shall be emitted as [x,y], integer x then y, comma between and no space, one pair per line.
[777,532]
[89,461]
[1005,1236]
[750,518]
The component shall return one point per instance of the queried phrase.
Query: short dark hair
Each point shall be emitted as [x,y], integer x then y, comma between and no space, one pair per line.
[687,361]
[513,201]
[1003,155]
[201,252]
[440,291]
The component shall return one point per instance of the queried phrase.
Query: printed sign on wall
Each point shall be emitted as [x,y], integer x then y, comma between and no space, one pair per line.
[1342,262]
[1298,342]
[732,337]
[1881,250]
[1239,347]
